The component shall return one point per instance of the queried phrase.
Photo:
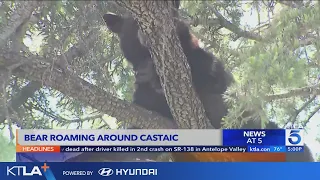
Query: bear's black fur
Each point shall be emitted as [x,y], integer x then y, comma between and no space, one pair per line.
[148,92]
[209,76]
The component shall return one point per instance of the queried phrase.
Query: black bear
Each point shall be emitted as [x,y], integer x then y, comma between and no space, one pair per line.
[209,76]
[148,91]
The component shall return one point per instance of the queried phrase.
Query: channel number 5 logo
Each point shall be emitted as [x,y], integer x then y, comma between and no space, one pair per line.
[294,137]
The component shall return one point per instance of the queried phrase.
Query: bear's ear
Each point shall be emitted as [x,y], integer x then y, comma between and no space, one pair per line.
[114,22]
[176,4]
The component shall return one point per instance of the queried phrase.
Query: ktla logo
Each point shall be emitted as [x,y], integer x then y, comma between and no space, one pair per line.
[23,171]
[105,172]
[294,137]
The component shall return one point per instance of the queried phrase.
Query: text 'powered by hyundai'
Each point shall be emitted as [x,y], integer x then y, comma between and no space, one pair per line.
[127,172]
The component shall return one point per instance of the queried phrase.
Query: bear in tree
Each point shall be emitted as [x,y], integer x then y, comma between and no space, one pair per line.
[148,92]
[209,76]
[209,83]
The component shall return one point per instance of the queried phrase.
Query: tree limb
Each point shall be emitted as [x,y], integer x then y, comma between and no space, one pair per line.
[37,70]
[292,4]
[293,119]
[18,17]
[233,28]
[304,91]
[310,116]
[16,101]
[65,60]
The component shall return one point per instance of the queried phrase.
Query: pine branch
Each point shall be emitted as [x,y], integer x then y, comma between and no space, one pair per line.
[16,101]
[63,61]
[310,116]
[233,28]
[293,119]
[37,70]
[304,91]
[292,4]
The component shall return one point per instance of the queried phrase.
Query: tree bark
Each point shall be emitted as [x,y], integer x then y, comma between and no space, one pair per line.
[22,13]
[156,22]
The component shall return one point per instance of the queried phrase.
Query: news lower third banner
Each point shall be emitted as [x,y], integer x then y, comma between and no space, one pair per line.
[185,171]
[47,145]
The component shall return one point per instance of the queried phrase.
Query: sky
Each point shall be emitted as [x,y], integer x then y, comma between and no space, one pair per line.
[250,19]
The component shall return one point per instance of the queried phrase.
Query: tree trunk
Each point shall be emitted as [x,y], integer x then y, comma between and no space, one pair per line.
[155,19]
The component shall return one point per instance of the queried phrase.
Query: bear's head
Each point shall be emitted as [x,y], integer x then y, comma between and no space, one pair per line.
[132,41]
[133,50]
[129,34]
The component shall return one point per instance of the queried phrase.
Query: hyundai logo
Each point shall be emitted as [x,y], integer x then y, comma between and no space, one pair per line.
[105,172]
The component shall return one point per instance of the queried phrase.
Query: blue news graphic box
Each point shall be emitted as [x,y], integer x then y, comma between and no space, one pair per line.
[241,137]
[266,137]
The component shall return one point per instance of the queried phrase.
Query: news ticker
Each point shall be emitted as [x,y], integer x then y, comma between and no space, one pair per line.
[158,170]
[182,140]
[57,149]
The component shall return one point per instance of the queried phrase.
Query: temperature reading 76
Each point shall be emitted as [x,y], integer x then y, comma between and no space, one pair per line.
[277,149]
